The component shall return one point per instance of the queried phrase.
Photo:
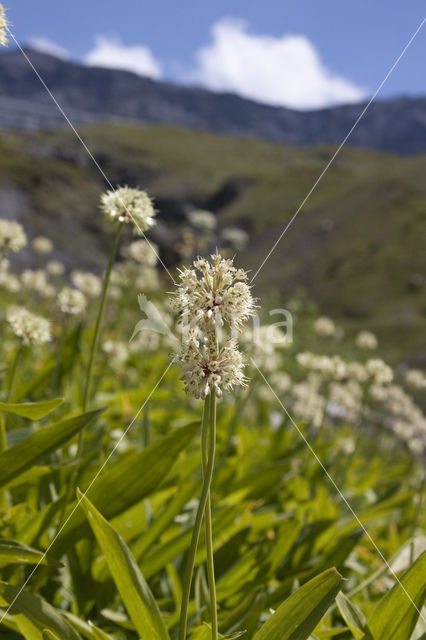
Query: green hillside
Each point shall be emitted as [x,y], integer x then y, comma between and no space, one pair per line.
[356,248]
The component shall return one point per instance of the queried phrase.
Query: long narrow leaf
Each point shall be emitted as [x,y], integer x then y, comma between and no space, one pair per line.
[396,615]
[298,616]
[129,481]
[22,456]
[32,410]
[130,582]
[33,615]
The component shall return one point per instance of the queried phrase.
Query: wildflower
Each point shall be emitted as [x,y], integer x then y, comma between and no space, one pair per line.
[28,326]
[117,350]
[86,282]
[366,340]
[147,279]
[8,280]
[237,238]
[324,327]
[55,268]
[262,344]
[129,205]
[211,295]
[36,280]
[379,371]
[144,252]
[42,245]
[12,236]
[356,371]
[205,220]
[71,301]
[4,23]
[333,367]
[206,369]
[415,378]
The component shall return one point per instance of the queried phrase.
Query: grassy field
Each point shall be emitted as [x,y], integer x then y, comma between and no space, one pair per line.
[319,486]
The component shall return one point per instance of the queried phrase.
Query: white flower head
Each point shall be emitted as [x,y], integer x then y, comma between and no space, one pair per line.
[31,328]
[42,245]
[12,236]
[236,237]
[324,327]
[117,350]
[129,205]
[143,252]
[55,268]
[205,369]
[211,295]
[4,23]
[366,340]
[415,378]
[36,280]
[72,301]
[204,220]
[87,282]
[379,371]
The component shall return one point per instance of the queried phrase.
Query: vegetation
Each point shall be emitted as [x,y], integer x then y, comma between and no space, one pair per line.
[357,246]
[318,518]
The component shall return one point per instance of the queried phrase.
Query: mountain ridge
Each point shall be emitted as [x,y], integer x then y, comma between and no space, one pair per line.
[90,95]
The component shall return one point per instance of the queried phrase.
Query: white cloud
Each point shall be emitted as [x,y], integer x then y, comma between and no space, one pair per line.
[48,46]
[281,71]
[109,52]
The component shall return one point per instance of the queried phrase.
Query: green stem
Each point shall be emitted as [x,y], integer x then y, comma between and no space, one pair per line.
[73,480]
[12,374]
[190,562]
[208,520]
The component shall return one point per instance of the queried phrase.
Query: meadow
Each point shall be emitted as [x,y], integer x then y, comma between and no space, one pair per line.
[318,488]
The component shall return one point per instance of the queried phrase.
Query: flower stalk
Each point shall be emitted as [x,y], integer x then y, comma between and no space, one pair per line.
[208,425]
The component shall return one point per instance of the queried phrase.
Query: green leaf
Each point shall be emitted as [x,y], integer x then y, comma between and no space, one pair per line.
[396,614]
[32,410]
[34,616]
[48,635]
[128,481]
[19,458]
[130,582]
[298,616]
[353,616]
[12,552]
[87,629]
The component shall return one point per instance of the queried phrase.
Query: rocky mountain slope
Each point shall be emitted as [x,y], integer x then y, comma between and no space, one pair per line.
[90,95]
[356,248]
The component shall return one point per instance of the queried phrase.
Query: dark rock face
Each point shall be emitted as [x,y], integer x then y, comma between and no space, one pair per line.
[90,95]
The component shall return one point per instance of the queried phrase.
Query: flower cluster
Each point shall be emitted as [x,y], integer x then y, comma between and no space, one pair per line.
[129,205]
[12,236]
[212,297]
[415,378]
[4,23]
[31,328]
[205,220]
[87,282]
[143,252]
[42,245]
[205,368]
[71,301]
[324,327]
[36,280]
[379,371]
[366,340]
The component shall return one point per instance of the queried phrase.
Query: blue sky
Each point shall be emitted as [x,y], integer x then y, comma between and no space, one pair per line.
[302,53]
